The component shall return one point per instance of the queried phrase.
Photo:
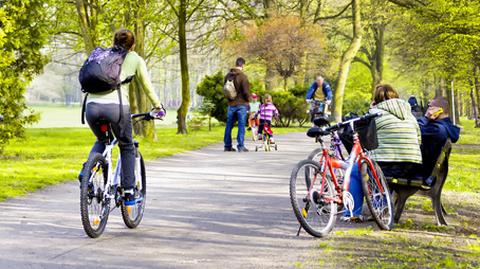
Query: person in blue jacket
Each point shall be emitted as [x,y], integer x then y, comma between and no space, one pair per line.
[436,127]
[324,94]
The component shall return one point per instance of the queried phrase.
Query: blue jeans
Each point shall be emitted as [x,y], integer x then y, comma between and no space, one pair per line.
[356,191]
[240,112]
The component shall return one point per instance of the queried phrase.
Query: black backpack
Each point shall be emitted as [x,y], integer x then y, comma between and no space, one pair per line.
[101,73]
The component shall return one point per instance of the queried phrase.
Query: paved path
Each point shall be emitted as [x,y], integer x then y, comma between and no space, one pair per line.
[205,209]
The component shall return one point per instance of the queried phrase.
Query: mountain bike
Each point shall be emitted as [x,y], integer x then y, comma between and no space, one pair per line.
[315,192]
[100,185]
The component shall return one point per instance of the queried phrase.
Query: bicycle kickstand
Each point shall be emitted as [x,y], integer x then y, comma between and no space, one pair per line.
[299,229]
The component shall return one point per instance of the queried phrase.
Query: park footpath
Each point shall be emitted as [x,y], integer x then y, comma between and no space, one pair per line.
[205,209]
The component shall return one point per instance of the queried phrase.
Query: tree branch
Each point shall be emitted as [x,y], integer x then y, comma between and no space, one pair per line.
[333,16]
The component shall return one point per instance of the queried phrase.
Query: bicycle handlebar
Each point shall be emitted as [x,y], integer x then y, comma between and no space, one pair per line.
[150,115]
[317,131]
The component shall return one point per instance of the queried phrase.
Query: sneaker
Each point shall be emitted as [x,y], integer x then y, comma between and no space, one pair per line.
[260,137]
[272,141]
[229,149]
[129,200]
[242,149]
[356,219]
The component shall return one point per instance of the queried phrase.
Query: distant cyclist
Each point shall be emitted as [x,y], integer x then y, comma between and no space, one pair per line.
[324,95]
[105,107]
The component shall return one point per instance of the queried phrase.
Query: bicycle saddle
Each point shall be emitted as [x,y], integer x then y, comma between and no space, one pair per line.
[316,131]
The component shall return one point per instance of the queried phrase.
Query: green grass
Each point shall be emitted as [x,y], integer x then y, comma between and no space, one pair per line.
[417,242]
[49,156]
[464,163]
[59,115]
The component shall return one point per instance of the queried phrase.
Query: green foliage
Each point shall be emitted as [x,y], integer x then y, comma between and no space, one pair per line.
[358,92]
[291,105]
[22,35]
[211,90]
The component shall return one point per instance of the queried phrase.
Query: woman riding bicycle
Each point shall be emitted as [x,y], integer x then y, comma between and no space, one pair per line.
[105,108]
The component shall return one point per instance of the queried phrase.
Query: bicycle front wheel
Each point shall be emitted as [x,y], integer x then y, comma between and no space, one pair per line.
[315,210]
[94,209]
[377,194]
[133,216]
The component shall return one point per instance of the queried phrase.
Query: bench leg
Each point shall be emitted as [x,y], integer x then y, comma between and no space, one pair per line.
[438,208]
[399,202]
[444,211]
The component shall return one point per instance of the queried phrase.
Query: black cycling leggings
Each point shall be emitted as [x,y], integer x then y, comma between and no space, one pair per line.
[97,113]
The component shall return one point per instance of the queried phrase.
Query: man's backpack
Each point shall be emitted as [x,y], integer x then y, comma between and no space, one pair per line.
[229,89]
[101,71]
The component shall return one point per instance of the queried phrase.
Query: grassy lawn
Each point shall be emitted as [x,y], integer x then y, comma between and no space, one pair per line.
[417,242]
[59,115]
[52,155]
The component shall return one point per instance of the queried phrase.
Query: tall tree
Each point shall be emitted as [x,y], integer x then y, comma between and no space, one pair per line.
[347,59]
[184,11]
[22,36]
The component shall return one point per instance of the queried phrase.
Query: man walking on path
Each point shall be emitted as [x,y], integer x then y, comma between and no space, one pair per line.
[237,106]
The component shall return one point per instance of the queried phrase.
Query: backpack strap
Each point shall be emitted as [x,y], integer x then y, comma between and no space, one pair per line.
[84,104]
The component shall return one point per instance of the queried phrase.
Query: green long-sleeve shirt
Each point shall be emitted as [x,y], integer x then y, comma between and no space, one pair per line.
[398,133]
[135,66]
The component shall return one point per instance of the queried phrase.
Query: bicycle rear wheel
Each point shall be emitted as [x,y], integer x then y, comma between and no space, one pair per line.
[315,155]
[316,211]
[94,209]
[377,195]
[134,216]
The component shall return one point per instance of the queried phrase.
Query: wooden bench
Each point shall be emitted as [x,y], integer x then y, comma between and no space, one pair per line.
[405,188]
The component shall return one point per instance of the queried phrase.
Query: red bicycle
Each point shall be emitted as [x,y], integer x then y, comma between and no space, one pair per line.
[315,191]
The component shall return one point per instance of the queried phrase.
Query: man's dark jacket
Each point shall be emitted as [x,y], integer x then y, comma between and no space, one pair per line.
[434,135]
[242,86]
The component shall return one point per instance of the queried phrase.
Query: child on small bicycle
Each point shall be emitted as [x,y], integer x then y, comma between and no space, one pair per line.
[266,112]
[254,107]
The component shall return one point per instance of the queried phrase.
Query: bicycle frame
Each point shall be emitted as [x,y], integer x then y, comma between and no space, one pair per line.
[113,179]
[330,161]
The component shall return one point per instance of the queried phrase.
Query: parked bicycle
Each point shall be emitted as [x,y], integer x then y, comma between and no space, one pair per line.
[315,191]
[100,185]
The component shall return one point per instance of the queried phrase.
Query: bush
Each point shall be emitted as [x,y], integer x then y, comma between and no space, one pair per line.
[291,104]
[292,108]
[211,90]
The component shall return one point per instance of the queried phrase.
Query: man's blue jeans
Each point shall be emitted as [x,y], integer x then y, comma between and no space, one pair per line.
[239,112]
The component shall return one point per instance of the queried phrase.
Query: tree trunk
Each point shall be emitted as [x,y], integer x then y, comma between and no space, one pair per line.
[182,42]
[458,106]
[477,88]
[474,104]
[87,28]
[142,104]
[438,87]
[379,31]
[347,60]
[269,77]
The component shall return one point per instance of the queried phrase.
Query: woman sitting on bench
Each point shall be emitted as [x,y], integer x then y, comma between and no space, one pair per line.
[436,127]
[398,152]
